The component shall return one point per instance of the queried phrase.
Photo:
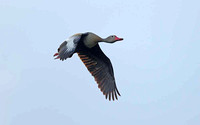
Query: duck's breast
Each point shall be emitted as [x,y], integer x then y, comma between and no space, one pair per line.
[91,40]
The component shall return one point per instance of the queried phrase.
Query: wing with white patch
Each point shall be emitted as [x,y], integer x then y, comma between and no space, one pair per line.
[67,48]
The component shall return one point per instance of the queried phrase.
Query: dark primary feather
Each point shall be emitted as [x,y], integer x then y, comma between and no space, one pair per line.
[100,67]
[63,53]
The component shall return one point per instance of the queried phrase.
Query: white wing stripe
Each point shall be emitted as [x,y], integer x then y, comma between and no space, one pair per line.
[68,49]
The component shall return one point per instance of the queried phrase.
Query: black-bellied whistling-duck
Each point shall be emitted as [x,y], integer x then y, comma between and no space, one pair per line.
[98,64]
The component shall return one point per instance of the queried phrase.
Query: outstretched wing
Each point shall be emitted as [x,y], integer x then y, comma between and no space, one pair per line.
[100,67]
[67,48]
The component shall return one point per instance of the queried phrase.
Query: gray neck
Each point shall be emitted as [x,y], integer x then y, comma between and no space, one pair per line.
[105,40]
[108,40]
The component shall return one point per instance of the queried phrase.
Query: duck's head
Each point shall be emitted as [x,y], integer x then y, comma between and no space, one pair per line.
[112,39]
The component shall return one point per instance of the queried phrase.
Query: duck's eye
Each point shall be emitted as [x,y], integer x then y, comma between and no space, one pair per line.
[112,36]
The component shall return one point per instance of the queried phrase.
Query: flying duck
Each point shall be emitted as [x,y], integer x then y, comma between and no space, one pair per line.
[98,64]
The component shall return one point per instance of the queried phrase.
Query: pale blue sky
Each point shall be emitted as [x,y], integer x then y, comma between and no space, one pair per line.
[157,66]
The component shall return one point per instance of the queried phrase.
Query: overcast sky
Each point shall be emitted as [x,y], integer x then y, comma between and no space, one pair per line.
[157,66]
